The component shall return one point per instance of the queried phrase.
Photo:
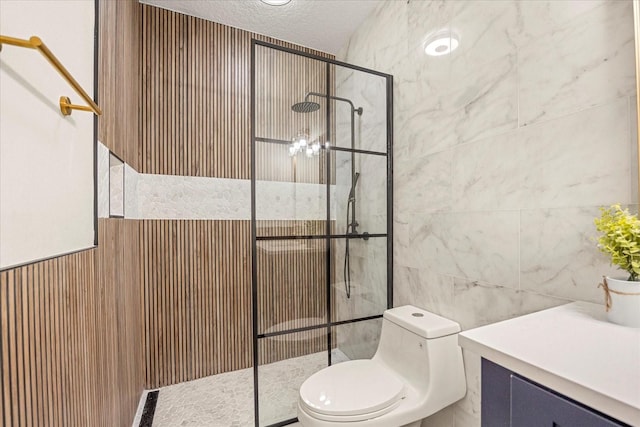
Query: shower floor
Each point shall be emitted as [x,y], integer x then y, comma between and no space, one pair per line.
[226,400]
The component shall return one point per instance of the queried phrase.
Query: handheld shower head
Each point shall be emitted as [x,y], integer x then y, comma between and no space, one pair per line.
[352,193]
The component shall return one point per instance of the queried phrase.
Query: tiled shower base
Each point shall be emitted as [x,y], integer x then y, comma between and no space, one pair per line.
[226,400]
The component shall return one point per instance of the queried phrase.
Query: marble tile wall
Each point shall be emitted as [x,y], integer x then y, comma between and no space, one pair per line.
[503,152]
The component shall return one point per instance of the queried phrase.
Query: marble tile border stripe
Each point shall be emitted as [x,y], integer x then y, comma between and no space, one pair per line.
[149,196]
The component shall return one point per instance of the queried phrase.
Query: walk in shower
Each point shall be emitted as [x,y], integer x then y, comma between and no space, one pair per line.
[321,202]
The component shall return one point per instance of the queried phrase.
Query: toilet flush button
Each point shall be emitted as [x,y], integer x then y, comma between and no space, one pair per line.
[417,314]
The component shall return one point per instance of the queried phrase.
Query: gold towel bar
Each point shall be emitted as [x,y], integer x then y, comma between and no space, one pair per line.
[65,103]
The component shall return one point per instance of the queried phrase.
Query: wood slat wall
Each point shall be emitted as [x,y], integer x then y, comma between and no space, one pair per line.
[195,94]
[118,77]
[197,298]
[291,284]
[291,294]
[70,331]
[282,80]
[291,289]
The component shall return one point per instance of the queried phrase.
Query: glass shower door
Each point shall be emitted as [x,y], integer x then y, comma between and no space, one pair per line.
[361,278]
[320,210]
[290,229]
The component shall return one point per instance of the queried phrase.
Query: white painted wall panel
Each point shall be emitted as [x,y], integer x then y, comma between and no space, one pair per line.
[46,160]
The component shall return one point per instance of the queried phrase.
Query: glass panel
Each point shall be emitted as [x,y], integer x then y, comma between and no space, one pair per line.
[288,206]
[292,286]
[283,81]
[359,288]
[368,195]
[290,195]
[285,361]
[358,340]
[292,185]
[366,91]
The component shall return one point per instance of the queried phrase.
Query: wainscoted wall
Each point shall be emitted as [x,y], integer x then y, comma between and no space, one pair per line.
[503,152]
[70,333]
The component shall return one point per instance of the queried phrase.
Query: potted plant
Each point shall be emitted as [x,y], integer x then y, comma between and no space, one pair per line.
[620,239]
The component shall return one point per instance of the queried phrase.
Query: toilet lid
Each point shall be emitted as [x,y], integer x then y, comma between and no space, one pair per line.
[351,388]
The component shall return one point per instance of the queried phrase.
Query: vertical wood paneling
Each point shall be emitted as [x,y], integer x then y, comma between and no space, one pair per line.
[197,290]
[197,295]
[195,96]
[119,81]
[282,80]
[71,332]
[291,284]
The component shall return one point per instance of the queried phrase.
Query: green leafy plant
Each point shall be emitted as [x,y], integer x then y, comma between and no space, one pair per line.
[620,238]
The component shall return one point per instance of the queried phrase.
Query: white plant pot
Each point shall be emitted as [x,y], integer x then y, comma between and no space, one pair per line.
[625,309]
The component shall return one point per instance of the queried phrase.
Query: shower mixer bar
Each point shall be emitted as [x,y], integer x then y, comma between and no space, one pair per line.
[352,201]
[307,106]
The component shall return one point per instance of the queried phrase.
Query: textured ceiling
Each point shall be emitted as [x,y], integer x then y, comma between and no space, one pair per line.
[325,25]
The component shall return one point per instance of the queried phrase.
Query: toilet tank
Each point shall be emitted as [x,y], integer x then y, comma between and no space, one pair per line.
[422,347]
[421,322]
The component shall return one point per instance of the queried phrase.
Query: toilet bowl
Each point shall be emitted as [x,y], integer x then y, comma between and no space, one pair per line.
[417,370]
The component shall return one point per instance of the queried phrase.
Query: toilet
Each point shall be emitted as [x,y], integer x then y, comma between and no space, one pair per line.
[416,371]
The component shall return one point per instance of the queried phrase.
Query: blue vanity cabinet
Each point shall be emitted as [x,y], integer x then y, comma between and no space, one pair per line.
[510,400]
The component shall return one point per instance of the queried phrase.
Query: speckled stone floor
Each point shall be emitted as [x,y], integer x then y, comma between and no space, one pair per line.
[226,400]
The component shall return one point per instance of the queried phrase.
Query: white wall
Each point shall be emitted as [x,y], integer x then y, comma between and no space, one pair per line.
[503,152]
[46,160]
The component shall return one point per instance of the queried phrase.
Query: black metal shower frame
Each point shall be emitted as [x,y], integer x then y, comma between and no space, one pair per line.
[327,236]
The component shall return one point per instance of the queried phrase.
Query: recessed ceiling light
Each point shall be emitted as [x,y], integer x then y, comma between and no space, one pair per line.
[441,44]
[275,2]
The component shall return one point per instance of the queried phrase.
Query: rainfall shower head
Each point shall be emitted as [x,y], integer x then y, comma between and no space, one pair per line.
[305,107]
[309,107]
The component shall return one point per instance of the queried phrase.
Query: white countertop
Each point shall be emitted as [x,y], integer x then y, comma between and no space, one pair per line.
[571,349]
